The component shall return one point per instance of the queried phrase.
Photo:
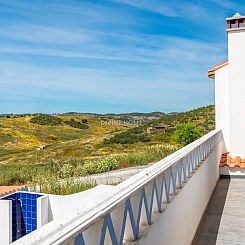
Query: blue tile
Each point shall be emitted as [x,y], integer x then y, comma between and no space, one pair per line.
[28,226]
[25,195]
[29,222]
[27,208]
[24,213]
[29,195]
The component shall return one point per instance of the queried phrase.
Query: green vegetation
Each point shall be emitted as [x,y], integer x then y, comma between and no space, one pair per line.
[65,187]
[100,165]
[53,185]
[202,119]
[17,174]
[186,133]
[4,138]
[85,121]
[82,144]
[149,155]
[131,136]
[49,173]
[76,124]
[44,119]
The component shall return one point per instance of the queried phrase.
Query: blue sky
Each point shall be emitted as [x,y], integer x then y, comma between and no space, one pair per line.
[110,55]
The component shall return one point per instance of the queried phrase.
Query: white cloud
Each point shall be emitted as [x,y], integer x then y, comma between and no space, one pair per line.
[185,9]
[47,60]
[153,49]
[43,34]
[156,6]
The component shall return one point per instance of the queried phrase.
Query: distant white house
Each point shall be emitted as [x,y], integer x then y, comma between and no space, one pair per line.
[41,147]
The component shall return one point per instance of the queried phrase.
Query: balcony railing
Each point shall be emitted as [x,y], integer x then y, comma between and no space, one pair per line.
[135,205]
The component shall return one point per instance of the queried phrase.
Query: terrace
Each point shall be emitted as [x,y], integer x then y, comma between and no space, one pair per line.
[164,202]
[179,200]
[224,219]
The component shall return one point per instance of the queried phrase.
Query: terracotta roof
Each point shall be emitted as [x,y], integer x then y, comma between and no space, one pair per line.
[211,72]
[4,190]
[227,160]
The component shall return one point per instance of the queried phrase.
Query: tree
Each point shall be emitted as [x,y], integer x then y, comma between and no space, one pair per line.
[186,133]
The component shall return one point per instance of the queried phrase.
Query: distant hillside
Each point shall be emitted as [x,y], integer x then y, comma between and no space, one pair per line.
[154,113]
[77,136]
[75,144]
[136,117]
[45,119]
[140,114]
[202,117]
[49,119]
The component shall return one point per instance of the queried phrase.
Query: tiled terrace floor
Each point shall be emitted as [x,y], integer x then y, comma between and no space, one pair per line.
[224,220]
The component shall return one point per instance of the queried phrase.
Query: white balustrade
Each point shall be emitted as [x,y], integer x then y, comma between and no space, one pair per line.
[135,204]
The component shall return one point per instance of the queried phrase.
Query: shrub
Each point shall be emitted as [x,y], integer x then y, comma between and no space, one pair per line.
[130,136]
[158,152]
[76,124]
[66,170]
[61,187]
[100,165]
[55,177]
[44,119]
[149,155]
[85,121]
[133,159]
[21,174]
[16,174]
[186,133]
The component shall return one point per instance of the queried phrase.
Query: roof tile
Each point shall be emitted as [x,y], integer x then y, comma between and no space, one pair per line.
[227,160]
[211,72]
[4,190]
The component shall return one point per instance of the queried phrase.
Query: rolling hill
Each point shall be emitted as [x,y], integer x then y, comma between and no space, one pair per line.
[64,138]
[43,147]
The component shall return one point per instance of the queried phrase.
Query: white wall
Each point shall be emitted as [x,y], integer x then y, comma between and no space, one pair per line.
[178,223]
[62,205]
[236,56]
[5,222]
[43,209]
[222,101]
